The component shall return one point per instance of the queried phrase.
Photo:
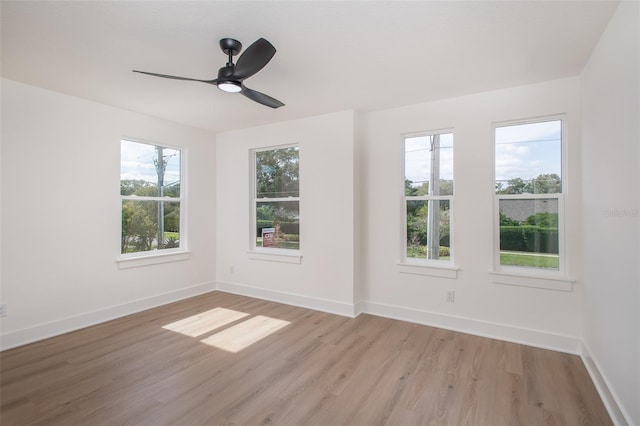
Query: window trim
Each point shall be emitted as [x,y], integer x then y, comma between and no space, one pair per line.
[424,266]
[550,279]
[267,253]
[152,257]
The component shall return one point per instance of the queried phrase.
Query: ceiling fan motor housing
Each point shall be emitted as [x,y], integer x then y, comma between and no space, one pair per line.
[225,72]
[230,46]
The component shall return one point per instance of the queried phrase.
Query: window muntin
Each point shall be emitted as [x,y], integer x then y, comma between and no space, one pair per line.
[276,199]
[151,198]
[529,191]
[428,196]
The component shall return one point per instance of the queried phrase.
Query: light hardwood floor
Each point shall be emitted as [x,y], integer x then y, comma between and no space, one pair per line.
[160,367]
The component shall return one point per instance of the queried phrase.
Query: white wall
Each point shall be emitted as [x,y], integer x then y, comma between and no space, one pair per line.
[531,315]
[325,277]
[351,238]
[61,214]
[611,185]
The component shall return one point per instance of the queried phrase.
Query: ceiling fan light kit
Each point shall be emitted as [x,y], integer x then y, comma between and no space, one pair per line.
[230,86]
[231,76]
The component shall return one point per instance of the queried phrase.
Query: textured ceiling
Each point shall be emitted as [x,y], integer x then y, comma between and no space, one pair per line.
[331,56]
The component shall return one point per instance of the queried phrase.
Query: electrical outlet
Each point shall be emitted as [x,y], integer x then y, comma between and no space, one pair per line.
[3,310]
[231,269]
[451,296]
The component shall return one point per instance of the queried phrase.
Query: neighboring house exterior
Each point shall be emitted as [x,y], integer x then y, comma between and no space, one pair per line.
[520,210]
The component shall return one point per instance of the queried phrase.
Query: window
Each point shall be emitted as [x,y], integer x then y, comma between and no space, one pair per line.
[428,196]
[151,197]
[529,195]
[276,198]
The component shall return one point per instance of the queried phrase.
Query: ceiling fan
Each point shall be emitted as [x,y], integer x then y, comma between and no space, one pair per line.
[231,77]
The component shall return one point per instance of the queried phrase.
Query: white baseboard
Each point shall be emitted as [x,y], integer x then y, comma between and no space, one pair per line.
[358,308]
[65,325]
[324,305]
[536,338]
[540,339]
[608,396]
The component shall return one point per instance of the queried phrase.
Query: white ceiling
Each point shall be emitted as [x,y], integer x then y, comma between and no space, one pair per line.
[331,55]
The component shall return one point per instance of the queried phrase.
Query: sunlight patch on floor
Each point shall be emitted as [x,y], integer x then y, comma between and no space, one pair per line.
[238,337]
[204,322]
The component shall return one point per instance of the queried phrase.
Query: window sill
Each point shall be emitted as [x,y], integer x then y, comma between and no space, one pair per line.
[152,259]
[275,255]
[551,282]
[419,268]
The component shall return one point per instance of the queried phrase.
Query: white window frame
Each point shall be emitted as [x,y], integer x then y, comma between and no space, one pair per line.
[268,253]
[144,258]
[423,266]
[553,279]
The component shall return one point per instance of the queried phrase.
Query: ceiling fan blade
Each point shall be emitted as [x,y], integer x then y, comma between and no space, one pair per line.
[215,81]
[254,58]
[261,98]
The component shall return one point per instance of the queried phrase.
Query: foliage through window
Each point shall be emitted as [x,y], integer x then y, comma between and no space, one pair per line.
[529,187]
[277,198]
[428,196]
[151,197]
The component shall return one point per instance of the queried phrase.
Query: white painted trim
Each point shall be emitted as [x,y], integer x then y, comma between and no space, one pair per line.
[149,198]
[561,197]
[550,282]
[315,303]
[536,338]
[525,336]
[423,268]
[124,259]
[618,414]
[66,325]
[276,255]
[403,211]
[152,259]
[509,333]
[253,248]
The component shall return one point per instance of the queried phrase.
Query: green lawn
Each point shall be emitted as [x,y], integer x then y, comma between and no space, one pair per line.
[529,260]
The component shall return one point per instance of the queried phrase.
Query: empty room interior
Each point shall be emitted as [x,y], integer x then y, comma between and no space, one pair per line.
[391,212]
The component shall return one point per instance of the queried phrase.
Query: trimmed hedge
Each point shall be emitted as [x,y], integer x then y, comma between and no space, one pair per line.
[529,238]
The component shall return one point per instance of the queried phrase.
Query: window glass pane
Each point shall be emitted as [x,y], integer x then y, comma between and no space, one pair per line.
[428,229]
[529,158]
[149,170]
[277,173]
[141,229]
[278,224]
[429,159]
[529,233]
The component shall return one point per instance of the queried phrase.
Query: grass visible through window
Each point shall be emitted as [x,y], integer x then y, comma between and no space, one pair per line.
[532,260]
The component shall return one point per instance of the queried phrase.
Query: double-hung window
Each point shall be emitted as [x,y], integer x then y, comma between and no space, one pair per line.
[276,198]
[529,193]
[428,196]
[151,198]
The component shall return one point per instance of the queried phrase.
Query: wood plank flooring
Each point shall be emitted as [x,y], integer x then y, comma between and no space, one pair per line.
[184,364]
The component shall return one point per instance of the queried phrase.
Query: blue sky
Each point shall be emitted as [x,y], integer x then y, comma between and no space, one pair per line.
[525,151]
[417,158]
[528,150]
[136,162]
